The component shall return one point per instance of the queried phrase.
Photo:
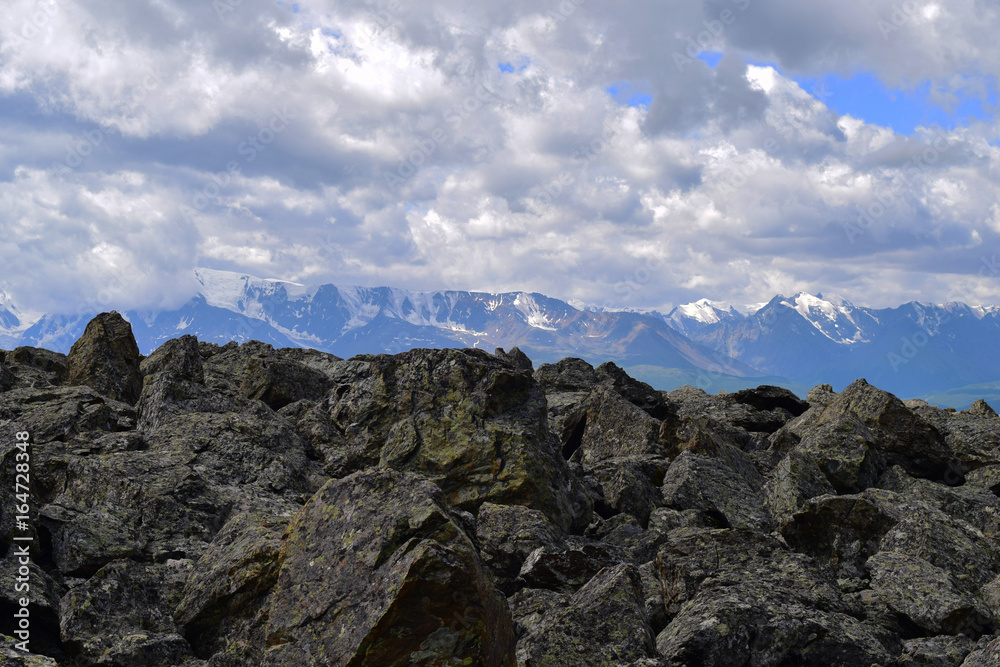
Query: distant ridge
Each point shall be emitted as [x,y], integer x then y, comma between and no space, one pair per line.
[913,350]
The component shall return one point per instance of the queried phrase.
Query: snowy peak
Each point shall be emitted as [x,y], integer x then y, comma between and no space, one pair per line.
[833,317]
[701,314]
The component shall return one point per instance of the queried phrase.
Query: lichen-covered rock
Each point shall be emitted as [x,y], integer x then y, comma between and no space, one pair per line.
[235,443]
[733,626]
[604,623]
[927,595]
[508,534]
[842,532]
[7,378]
[143,505]
[630,485]
[179,357]
[374,571]
[564,569]
[711,484]
[741,598]
[903,438]
[973,436]
[468,421]
[616,428]
[939,651]
[515,358]
[36,367]
[106,358]
[793,482]
[11,655]
[278,381]
[122,616]
[22,578]
[986,653]
[224,600]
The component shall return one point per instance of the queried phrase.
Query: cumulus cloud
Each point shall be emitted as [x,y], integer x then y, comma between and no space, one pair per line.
[444,145]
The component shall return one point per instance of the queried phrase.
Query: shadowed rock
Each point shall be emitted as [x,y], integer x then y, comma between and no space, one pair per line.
[374,571]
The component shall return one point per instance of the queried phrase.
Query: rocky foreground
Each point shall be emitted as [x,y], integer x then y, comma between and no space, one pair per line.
[245,506]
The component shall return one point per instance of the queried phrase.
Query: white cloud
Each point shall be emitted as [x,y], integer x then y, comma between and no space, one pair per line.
[409,158]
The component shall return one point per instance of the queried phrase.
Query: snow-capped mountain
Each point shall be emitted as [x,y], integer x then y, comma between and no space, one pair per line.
[910,350]
[798,341]
[355,320]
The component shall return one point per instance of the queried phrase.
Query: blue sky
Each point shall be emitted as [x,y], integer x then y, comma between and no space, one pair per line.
[637,155]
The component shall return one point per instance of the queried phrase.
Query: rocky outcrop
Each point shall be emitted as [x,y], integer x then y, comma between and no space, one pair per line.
[238,505]
[106,358]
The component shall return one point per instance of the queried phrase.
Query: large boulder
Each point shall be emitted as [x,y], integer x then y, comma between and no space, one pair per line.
[508,534]
[741,598]
[122,616]
[716,485]
[604,623]
[375,571]
[472,423]
[106,358]
[927,595]
[179,357]
[615,428]
[224,601]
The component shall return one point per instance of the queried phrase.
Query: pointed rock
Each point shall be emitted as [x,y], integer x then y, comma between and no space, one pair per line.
[106,358]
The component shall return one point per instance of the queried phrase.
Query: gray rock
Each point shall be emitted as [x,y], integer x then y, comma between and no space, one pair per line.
[106,358]
[122,616]
[927,595]
[604,623]
[695,481]
[374,571]
[939,651]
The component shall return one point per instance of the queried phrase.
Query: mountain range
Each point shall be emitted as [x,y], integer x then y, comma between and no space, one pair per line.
[913,350]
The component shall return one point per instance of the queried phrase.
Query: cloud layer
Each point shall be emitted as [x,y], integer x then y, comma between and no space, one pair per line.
[489,147]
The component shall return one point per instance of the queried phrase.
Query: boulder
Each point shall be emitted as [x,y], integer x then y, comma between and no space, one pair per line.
[106,358]
[711,484]
[224,600]
[508,534]
[468,421]
[373,570]
[11,655]
[36,367]
[278,381]
[938,651]
[122,616]
[515,358]
[630,485]
[564,569]
[736,597]
[615,428]
[7,378]
[986,653]
[179,357]
[927,595]
[17,571]
[604,623]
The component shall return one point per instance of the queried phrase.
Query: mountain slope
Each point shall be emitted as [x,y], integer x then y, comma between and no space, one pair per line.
[348,320]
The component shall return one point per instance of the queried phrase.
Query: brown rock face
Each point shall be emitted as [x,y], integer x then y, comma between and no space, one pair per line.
[106,358]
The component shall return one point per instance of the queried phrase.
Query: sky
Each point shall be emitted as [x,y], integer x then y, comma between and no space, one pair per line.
[631,154]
